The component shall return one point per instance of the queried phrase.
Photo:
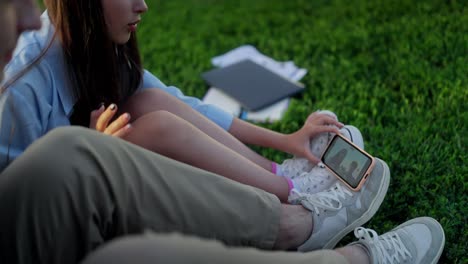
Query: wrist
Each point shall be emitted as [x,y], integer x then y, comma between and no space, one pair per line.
[280,142]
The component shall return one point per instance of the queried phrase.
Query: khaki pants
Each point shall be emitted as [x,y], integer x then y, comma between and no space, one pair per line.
[76,189]
[176,248]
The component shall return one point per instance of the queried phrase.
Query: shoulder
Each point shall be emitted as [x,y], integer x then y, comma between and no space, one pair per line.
[46,77]
[151,81]
[31,45]
[36,81]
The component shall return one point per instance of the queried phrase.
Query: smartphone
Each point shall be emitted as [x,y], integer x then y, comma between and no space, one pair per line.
[348,162]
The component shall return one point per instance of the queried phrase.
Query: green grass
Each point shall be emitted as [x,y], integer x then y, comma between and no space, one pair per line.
[395,69]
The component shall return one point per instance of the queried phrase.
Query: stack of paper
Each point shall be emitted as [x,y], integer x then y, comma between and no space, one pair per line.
[271,113]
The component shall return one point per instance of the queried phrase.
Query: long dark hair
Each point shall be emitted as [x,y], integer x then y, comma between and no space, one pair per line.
[100,70]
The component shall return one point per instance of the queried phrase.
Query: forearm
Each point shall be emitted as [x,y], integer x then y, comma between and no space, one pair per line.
[255,135]
[297,143]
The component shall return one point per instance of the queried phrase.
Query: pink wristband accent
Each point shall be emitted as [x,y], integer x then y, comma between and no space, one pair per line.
[290,184]
[274,167]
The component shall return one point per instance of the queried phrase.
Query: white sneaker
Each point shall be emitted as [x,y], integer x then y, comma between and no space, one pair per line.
[353,134]
[339,210]
[296,166]
[311,179]
[318,179]
[417,241]
[320,142]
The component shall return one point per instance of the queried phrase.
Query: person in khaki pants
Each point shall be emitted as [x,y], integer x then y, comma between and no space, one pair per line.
[75,189]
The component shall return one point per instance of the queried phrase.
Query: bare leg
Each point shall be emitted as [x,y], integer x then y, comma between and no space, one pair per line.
[155,99]
[167,134]
[354,254]
[295,227]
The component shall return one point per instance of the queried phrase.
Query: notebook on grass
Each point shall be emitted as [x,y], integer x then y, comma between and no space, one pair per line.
[251,84]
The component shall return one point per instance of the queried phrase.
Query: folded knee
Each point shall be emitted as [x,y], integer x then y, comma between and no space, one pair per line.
[162,124]
[49,163]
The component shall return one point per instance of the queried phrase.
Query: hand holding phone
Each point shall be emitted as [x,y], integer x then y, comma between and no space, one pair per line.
[348,162]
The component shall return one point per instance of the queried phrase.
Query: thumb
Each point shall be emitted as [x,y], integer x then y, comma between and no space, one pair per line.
[312,158]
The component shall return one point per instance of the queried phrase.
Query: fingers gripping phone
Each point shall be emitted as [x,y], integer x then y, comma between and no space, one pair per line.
[348,162]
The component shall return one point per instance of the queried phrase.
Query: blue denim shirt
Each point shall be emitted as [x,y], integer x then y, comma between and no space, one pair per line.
[42,99]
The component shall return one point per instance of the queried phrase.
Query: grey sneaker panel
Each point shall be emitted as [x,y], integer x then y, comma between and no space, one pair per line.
[370,198]
[321,236]
[358,208]
[373,186]
[410,239]
[422,251]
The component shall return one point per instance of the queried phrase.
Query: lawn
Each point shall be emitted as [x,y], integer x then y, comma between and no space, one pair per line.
[398,70]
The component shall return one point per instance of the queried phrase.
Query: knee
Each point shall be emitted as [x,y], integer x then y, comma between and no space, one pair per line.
[61,147]
[48,164]
[64,137]
[164,124]
[153,96]
[147,101]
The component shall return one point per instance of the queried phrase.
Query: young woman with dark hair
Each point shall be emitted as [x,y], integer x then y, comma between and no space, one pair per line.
[86,56]
[105,68]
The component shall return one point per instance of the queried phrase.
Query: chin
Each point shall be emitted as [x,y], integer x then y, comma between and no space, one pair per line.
[122,40]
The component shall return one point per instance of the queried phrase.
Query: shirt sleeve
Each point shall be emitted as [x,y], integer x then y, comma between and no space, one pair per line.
[23,119]
[215,114]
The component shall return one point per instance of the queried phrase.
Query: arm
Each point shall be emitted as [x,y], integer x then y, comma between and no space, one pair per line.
[215,114]
[256,135]
[297,143]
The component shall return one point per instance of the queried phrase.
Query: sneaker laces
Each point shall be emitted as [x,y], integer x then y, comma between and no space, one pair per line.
[383,245]
[327,200]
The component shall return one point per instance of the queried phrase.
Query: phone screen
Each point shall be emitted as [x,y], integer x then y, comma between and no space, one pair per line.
[347,161]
